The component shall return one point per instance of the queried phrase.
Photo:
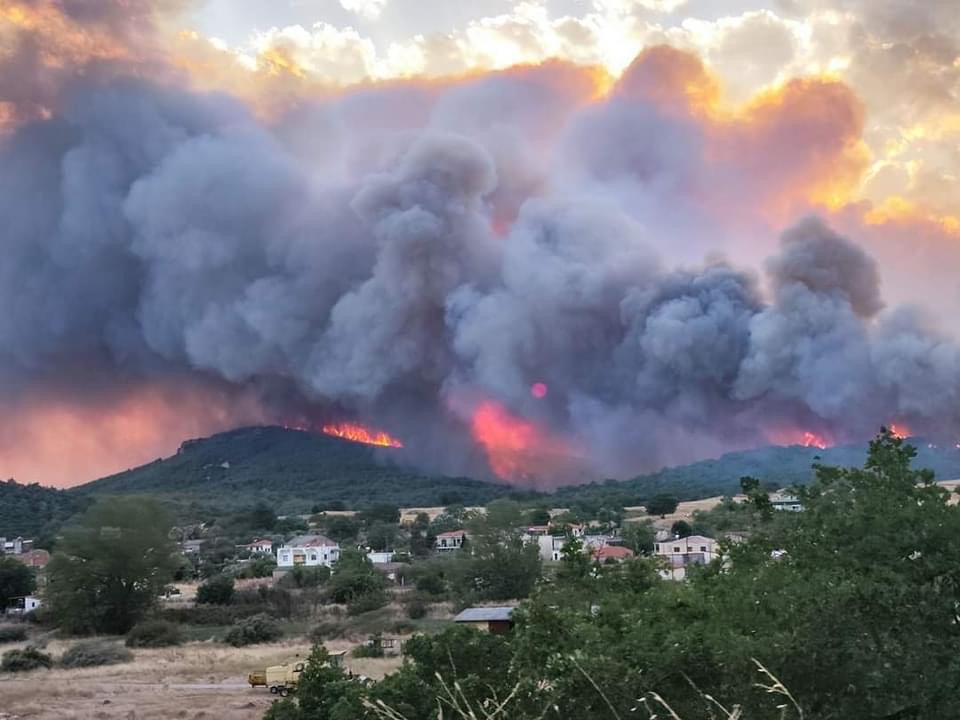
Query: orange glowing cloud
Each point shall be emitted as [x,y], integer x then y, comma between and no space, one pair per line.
[61,444]
[519,450]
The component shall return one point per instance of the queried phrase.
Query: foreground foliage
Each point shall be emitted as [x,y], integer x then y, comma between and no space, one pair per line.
[94,653]
[29,658]
[110,567]
[846,611]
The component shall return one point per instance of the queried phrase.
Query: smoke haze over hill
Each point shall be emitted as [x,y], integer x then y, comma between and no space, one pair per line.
[542,273]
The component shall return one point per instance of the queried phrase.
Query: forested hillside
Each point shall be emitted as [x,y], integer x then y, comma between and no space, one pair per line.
[291,471]
[31,510]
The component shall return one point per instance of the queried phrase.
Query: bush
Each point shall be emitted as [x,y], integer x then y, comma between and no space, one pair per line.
[216,591]
[93,653]
[373,648]
[327,630]
[257,629]
[154,633]
[367,602]
[23,660]
[12,633]
[211,614]
[416,609]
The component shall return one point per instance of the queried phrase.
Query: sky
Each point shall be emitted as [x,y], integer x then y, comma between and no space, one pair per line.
[691,225]
[899,55]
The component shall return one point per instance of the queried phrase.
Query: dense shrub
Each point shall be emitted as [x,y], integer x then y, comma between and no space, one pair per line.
[216,591]
[211,614]
[93,653]
[327,630]
[367,602]
[257,629]
[12,633]
[416,608]
[23,660]
[154,633]
[373,648]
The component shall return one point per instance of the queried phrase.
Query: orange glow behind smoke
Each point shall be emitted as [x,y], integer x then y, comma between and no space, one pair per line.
[59,443]
[899,430]
[358,433]
[517,449]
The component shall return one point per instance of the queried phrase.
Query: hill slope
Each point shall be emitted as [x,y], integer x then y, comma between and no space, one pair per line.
[31,510]
[792,465]
[292,471]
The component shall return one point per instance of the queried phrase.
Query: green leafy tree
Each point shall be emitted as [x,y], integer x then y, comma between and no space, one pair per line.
[354,577]
[341,528]
[681,528]
[217,590]
[16,579]
[111,567]
[662,505]
[538,516]
[382,536]
[389,514]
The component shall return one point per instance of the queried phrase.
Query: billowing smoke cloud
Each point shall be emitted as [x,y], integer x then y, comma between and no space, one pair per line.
[506,272]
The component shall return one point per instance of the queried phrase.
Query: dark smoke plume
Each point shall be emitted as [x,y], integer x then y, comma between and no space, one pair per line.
[388,257]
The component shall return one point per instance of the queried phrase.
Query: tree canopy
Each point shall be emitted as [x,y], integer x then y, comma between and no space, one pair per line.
[111,566]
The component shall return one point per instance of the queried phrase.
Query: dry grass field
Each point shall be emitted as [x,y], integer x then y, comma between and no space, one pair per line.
[197,680]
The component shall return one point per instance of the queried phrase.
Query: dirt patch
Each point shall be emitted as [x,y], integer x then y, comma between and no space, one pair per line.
[198,680]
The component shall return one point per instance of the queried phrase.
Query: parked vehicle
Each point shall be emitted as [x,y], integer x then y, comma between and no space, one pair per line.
[283,679]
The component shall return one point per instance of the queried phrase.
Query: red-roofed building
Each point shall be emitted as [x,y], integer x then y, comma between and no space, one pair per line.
[612,553]
[34,558]
[451,540]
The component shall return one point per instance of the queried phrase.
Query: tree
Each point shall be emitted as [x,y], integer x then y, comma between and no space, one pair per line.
[216,591]
[111,567]
[354,576]
[640,536]
[662,505]
[681,528]
[538,516]
[341,528]
[381,536]
[16,579]
[382,513]
[262,517]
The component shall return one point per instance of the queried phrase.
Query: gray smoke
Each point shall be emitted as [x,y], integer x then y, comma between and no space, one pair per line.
[398,270]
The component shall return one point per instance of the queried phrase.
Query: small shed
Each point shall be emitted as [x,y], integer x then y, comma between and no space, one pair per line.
[494,620]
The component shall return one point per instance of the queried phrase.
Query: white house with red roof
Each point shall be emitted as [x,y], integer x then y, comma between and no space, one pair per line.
[611,554]
[261,545]
[450,540]
[308,551]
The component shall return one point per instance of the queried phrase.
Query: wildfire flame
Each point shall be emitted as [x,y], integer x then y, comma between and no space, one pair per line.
[358,433]
[899,430]
[806,438]
[516,448]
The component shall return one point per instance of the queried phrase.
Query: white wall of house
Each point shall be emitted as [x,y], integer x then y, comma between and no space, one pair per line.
[449,541]
[380,558]
[680,553]
[308,555]
[550,547]
[21,606]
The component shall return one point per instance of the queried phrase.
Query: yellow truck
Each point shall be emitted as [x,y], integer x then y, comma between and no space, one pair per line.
[281,679]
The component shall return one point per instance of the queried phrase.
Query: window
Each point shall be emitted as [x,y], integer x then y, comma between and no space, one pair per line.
[313,556]
[676,549]
[703,548]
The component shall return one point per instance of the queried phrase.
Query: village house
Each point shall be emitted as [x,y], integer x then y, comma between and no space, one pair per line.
[37,559]
[260,545]
[494,620]
[191,547]
[550,547]
[23,604]
[16,546]
[308,550]
[679,553]
[380,558]
[787,502]
[611,554]
[450,540]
